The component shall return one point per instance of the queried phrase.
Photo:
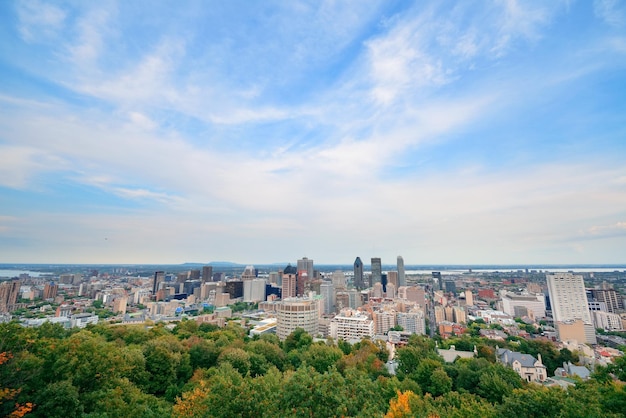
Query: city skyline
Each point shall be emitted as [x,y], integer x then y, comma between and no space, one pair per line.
[448,132]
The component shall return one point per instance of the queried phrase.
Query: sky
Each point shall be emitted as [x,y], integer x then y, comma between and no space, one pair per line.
[469,132]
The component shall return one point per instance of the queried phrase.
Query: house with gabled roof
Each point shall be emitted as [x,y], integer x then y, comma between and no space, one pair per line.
[528,367]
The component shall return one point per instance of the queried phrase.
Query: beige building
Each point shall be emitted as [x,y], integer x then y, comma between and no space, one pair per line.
[292,313]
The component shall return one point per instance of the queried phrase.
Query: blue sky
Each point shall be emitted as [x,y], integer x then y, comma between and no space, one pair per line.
[445,132]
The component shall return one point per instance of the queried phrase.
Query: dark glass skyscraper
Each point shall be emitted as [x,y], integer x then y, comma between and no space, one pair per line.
[358,274]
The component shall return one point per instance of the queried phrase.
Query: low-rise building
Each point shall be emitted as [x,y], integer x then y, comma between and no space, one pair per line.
[528,367]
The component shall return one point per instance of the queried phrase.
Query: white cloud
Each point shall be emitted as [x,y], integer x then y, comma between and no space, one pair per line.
[39,21]
[612,12]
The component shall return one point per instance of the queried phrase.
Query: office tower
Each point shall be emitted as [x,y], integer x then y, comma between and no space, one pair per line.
[392,278]
[327,290]
[207,274]
[249,273]
[159,277]
[254,290]
[401,275]
[292,313]
[569,302]
[450,286]
[290,278]
[234,288]
[305,266]
[535,304]
[437,280]
[359,282]
[376,271]
[9,291]
[194,274]
[383,281]
[339,280]
[182,277]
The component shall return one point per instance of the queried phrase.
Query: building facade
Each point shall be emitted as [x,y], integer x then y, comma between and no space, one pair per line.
[292,313]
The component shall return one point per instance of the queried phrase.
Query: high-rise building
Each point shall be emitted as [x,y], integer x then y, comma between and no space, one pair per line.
[290,279]
[412,321]
[392,278]
[384,320]
[292,313]
[613,300]
[159,277]
[437,279]
[339,279]
[254,290]
[8,295]
[305,265]
[569,301]
[359,281]
[194,274]
[469,298]
[50,290]
[207,274]
[327,290]
[376,271]
[401,274]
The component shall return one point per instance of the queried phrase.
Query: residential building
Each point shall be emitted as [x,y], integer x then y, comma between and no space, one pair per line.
[412,322]
[351,325]
[526,366]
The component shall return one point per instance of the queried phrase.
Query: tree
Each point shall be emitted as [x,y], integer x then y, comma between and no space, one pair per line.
[321,356]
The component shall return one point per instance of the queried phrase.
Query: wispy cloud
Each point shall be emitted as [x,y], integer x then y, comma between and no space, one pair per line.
[613,12]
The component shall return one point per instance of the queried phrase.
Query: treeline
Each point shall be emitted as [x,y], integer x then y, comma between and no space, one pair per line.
[196,370]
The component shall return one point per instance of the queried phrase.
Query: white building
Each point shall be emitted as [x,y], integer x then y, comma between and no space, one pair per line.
[254,290]
[292,313]
[569,301]
[607,321]
[351,325]
[535,304]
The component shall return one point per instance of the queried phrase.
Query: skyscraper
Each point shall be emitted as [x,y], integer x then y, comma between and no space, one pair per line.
[401,275]
[159,277]
[358,274]
[290,275]
[569,301]
[376,271]
[9,291]
[207,274]
[327,290]
[305,265]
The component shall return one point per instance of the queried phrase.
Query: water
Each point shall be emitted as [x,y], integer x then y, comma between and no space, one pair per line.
[16,273]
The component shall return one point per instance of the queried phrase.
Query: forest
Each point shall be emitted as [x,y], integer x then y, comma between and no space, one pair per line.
[191,370]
